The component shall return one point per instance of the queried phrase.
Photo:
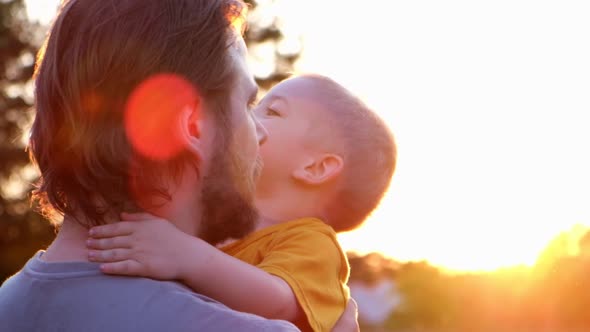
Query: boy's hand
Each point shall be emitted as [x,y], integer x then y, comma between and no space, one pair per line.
[140,245]
[348,321]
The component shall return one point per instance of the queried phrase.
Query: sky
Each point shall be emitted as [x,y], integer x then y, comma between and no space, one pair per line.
[489,102]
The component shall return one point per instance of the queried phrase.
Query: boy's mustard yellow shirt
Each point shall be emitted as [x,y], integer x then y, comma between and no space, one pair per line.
[306,254]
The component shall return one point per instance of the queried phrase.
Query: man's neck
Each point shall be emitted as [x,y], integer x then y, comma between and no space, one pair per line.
[69,244]
[183,209]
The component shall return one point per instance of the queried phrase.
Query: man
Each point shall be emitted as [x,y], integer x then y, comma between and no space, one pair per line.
[141,105]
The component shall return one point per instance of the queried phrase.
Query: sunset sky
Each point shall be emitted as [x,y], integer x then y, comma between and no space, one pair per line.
[490,105]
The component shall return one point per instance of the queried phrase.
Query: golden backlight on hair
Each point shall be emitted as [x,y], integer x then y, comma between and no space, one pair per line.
[40,56]
[237,15]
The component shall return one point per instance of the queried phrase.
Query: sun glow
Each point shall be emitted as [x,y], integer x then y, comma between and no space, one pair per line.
[488,103]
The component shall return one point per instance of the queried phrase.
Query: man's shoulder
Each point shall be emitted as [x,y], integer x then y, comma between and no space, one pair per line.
[100,302]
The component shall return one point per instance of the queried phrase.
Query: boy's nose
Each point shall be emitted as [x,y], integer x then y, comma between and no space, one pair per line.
[261,132]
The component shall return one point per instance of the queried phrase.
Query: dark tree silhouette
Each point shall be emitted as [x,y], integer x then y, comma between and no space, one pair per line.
[21,231]
[264,29]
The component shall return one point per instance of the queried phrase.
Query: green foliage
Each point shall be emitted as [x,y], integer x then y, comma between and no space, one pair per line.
[426,297]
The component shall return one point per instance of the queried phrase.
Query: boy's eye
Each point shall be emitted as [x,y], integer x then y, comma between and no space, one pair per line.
[272,112]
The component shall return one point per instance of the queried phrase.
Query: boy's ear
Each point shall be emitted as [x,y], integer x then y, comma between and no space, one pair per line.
[190,125]
[318,171]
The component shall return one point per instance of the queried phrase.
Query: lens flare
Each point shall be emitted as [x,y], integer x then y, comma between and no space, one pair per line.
[153,112]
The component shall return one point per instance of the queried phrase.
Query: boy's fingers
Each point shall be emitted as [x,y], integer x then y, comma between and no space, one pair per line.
[352,307]
[111,230]
[109,256]
[127,267]
[137,216]
[121,242]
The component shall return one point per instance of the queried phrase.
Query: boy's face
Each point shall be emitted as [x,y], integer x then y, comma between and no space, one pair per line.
[288,114]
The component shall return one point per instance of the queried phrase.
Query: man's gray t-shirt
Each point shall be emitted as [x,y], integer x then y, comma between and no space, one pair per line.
[76,296]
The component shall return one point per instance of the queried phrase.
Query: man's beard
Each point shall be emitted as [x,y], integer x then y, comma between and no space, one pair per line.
[228,199]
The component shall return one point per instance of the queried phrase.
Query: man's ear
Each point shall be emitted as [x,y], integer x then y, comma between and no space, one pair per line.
[318,171]
[190,125]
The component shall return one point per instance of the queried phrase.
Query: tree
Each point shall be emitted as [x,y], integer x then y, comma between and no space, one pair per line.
[264,33]
[22,231]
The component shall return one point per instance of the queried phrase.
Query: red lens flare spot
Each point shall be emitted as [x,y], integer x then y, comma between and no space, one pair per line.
[152,115]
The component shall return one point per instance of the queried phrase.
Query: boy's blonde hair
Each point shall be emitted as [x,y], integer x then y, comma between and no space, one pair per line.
[368,149]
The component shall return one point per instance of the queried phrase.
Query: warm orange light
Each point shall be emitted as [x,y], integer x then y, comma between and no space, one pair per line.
[152,112]
[237,17]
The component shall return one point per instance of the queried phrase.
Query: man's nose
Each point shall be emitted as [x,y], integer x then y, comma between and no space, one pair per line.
[261,132]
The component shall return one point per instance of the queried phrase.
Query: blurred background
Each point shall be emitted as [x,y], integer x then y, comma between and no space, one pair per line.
[485,225]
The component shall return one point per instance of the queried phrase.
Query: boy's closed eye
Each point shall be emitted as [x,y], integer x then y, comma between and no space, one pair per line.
[272,112]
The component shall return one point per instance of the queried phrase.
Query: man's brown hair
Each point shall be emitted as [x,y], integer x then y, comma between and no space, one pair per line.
[95,55]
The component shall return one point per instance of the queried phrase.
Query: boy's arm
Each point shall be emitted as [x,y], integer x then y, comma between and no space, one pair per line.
[152,247]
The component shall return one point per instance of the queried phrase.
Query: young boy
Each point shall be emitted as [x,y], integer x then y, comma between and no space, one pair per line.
[328,160]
